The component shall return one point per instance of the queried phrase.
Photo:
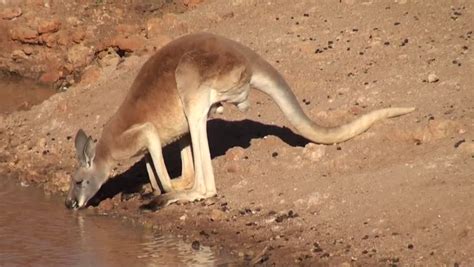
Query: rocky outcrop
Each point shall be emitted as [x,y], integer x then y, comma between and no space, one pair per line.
[54,42]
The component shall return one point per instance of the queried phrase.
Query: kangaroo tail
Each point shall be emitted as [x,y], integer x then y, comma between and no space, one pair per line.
[268,80]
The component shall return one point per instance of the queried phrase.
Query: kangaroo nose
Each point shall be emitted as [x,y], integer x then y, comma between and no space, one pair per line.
[71,203]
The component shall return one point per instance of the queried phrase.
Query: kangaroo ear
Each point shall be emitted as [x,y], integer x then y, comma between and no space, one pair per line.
[89,151]
[85,149]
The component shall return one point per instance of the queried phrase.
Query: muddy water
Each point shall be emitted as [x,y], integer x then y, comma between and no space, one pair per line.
[20,94]
[36,230]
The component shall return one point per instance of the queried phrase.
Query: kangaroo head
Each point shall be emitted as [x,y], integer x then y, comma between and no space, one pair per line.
[88,177]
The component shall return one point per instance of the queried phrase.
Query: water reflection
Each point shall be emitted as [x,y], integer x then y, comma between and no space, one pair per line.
[36,231]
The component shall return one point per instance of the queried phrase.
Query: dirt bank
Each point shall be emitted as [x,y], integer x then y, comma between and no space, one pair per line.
[55,41]
[399,194]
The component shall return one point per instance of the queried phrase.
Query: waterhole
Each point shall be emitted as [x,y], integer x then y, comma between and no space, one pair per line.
[37,230]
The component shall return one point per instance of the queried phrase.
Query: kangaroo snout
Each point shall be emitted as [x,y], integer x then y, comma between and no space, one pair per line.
[71,203]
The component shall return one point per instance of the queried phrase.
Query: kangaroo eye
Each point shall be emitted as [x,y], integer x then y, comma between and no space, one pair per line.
[79,182]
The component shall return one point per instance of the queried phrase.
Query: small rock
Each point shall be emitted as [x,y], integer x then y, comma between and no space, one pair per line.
[209,202]
[196,245]
[28,50]
[11,13]
[18,55]
[235,153]
[432,78]
[284,216]
[78,36]
[217,215]
[74,21]
[458,143]
[79,56]
[204,233]
[49,26]
[24,35]
[314,152]
[50,40]
[317,247]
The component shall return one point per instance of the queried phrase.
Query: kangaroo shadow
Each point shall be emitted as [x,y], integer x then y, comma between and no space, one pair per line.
[222,136]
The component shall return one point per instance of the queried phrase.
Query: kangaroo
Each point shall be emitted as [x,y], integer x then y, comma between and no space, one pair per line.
[172,95]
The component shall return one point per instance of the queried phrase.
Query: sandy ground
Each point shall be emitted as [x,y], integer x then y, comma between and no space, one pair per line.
[399,194]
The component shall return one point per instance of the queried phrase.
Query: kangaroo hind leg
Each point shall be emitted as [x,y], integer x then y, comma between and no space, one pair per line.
[196,99]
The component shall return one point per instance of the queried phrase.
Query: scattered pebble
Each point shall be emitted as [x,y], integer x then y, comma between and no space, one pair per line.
[217,215]
[432,78]
[458,143]
[196,245]
[204,233]
[10,13]
[316,247]
[325,255]
[281,217]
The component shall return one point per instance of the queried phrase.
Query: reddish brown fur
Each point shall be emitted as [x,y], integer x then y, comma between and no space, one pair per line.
[153,94]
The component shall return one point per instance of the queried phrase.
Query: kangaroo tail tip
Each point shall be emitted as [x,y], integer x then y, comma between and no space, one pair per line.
[401,111]
[408,110]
